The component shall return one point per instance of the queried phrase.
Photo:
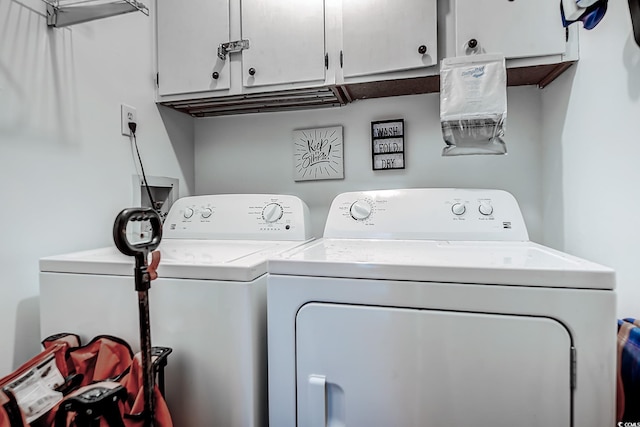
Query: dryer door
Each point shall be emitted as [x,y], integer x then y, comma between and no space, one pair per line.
[380,366]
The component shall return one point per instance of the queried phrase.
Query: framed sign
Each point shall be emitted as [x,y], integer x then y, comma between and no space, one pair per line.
[387,144]
[318,154]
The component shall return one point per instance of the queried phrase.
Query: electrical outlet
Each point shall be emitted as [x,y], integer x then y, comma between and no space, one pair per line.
[127,114]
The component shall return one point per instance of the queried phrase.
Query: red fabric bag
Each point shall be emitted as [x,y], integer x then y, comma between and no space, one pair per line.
[108,361]
[34,387]
[10,413]
[104,358]
[135,399]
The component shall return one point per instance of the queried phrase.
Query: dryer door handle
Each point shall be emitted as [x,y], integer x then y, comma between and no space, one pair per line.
[317,395]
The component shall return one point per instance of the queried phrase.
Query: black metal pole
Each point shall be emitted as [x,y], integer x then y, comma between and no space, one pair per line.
[140,251]
[145,349]
[143,283]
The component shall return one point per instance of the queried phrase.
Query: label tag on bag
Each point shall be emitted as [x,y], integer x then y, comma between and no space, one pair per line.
[35,389]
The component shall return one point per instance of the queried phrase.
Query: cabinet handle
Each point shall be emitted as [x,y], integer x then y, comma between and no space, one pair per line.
[215,75]
[252,71]
[422,49]
[473,43]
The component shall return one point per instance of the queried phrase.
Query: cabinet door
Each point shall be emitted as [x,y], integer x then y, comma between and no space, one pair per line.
[381,36]
[188,36]
[286,39]
[517,29]
[382,366]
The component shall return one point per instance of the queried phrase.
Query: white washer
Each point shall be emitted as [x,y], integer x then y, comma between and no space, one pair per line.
[432,307]
[208,304]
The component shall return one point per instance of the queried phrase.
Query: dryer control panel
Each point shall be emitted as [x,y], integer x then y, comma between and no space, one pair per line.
[238,217]
[427,213]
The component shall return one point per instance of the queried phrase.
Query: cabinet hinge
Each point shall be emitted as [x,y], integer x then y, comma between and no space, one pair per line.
[341,59]
[326,61]
[574,368]
[157,79]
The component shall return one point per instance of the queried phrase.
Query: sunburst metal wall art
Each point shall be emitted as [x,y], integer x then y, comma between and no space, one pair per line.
[318,154]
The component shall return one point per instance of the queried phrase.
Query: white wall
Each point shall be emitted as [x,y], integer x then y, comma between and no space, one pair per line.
[65,168]
[592,147]
[253,153]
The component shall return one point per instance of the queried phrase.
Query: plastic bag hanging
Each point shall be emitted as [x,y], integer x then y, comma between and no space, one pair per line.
[473,104]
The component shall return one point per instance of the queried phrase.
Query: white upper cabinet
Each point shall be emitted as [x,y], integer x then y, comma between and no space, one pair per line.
[286,40]
[188,35]
[382,36]
[515,28]
[323,53]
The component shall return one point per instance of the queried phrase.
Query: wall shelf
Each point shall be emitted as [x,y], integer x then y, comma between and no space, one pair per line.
[62,13]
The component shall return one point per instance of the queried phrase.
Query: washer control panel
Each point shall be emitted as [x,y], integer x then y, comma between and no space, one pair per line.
[238,216]
[427,213]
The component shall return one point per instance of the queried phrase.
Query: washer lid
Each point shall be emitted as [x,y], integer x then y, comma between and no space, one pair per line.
[474,262]
[234,260]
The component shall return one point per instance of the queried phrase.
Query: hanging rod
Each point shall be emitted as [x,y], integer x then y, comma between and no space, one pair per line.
[62,13]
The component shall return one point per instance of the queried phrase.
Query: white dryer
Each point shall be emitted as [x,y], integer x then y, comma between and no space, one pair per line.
[208,304]
[431,307]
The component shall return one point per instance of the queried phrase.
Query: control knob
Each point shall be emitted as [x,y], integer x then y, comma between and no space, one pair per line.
[206,213]
[458,208]
[272,212]
[188,213]
[485,208]
[360,210]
